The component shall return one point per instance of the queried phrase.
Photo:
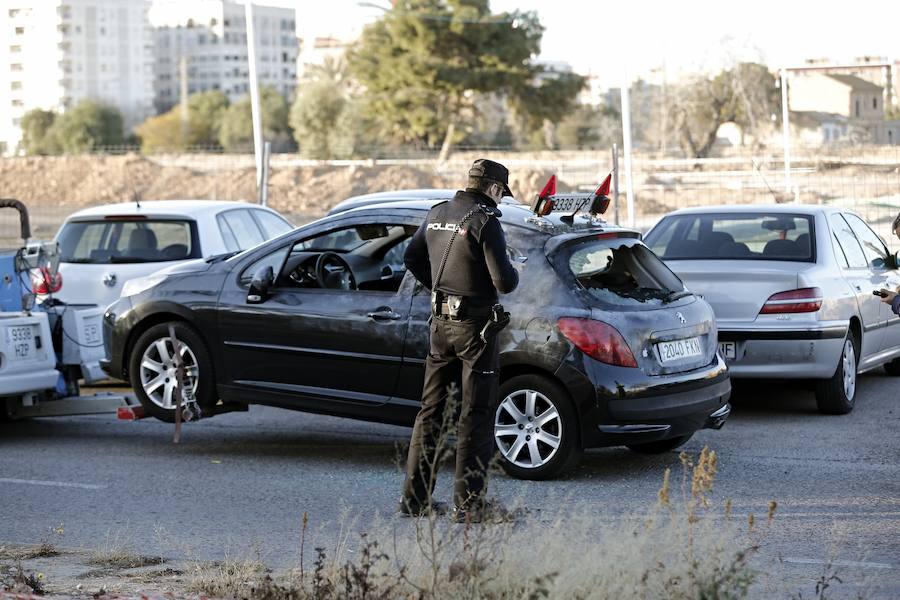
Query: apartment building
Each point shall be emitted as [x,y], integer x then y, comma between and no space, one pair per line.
[202,45]
[54,53]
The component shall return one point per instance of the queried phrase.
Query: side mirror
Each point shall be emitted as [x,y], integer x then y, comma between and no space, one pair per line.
[893,261]
[260,284]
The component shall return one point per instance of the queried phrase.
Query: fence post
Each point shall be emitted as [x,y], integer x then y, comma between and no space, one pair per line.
[264,179]
[615,170]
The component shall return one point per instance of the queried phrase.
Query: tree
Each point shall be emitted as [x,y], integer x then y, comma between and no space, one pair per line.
[205,113]
[314,118]
[424,64]
[745,94]
[36,126]
[163,132]
[85,127]
[589,128]
[236,132]
[169,131]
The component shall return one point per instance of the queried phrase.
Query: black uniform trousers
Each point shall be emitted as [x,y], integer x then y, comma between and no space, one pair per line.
[452,343]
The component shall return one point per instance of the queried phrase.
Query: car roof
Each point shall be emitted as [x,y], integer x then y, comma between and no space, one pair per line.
[513,213]
[391,196]
[168,208]
[787,208]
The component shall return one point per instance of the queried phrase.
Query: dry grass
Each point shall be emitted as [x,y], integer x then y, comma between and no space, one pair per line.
[115,553]
[683,548]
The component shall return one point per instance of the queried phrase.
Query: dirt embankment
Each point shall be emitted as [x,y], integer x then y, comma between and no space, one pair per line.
[52,185]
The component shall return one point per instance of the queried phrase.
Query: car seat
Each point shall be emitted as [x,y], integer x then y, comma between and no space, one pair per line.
[803,244]
[711,242]
[142,243]
[782,249]
[734,250]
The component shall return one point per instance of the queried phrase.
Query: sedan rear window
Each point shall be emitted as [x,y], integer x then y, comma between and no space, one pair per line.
[750,236]
[622,271]
[123,240]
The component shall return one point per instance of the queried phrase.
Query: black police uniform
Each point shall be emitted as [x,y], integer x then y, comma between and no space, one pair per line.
[477,268]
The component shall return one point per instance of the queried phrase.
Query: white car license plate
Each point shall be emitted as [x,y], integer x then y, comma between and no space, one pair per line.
[91,334]
[728,350]
[21,342]
[679,350]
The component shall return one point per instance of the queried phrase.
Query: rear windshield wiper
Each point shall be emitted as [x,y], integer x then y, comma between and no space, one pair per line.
[677,295]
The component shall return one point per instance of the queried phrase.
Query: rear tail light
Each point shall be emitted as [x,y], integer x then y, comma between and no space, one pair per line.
[804,300]
[598,340]
[45,282]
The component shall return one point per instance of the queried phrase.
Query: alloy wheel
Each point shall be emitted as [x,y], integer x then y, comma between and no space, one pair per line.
[158,373]
[849,368]
[528,428]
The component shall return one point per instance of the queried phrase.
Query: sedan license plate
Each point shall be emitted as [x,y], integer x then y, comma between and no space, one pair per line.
[728,350]
[679,350]
[21,342]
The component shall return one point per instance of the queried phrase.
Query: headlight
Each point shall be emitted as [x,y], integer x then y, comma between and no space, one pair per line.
[133,287]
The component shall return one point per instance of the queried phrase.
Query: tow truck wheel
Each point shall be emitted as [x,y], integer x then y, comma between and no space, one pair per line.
[153,374]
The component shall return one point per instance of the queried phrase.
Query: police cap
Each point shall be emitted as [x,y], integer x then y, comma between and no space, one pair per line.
[488,169]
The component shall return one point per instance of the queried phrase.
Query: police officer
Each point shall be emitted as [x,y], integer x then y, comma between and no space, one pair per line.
[891,297]
[460,254]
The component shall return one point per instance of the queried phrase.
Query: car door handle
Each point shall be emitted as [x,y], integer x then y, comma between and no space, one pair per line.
[384,314]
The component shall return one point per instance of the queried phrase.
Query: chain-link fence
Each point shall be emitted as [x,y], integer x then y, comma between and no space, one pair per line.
[862,178]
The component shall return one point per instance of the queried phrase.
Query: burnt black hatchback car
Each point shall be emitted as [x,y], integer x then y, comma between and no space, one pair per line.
[606,347]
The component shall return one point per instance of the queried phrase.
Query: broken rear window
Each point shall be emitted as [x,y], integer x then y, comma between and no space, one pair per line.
[622,271]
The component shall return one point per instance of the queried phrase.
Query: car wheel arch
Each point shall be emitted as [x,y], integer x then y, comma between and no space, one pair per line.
[146,323]
[510,371]
[856,330]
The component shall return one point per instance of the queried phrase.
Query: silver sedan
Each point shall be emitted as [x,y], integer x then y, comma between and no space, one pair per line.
[792,287]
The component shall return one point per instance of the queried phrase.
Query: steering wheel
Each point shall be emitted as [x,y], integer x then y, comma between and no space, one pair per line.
[334,273]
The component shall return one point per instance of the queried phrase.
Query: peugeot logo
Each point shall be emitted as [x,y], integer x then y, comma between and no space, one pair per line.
[109,280]
[681,318]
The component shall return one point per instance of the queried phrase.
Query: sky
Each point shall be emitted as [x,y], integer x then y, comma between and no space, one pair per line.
[629,38]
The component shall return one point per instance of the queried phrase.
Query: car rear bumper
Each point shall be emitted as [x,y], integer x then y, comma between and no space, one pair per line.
[807,353]
[652,408]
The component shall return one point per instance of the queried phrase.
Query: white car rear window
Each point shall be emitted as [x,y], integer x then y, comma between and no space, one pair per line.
[123,240]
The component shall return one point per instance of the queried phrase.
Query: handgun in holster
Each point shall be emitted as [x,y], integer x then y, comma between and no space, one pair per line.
[498,320]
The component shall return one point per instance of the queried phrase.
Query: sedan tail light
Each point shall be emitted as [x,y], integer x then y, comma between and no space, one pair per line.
[598,340]
[45,282]
[804,300]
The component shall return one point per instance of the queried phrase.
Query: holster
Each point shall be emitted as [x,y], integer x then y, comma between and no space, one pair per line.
[498,320]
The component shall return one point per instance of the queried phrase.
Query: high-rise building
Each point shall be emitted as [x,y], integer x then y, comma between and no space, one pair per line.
[202,45]
[54,53]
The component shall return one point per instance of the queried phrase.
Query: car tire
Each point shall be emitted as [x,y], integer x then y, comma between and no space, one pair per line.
[837,395]
[660,446]
[152,375]
[893,367]
[524,442]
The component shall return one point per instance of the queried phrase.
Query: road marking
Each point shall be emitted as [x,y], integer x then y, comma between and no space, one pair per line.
[81,486]
[838,563]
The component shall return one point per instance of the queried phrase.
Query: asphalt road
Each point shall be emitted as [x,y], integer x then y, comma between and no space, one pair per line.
[246,478]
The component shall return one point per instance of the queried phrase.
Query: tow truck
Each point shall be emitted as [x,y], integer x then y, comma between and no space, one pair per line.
[46,346]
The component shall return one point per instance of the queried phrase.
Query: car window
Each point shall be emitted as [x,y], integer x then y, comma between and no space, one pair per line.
[272,225]
[872,246]
[245,233]
[373,251]
[847,242]
[621,272]
[273,259]
[125,240]
[723,236]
